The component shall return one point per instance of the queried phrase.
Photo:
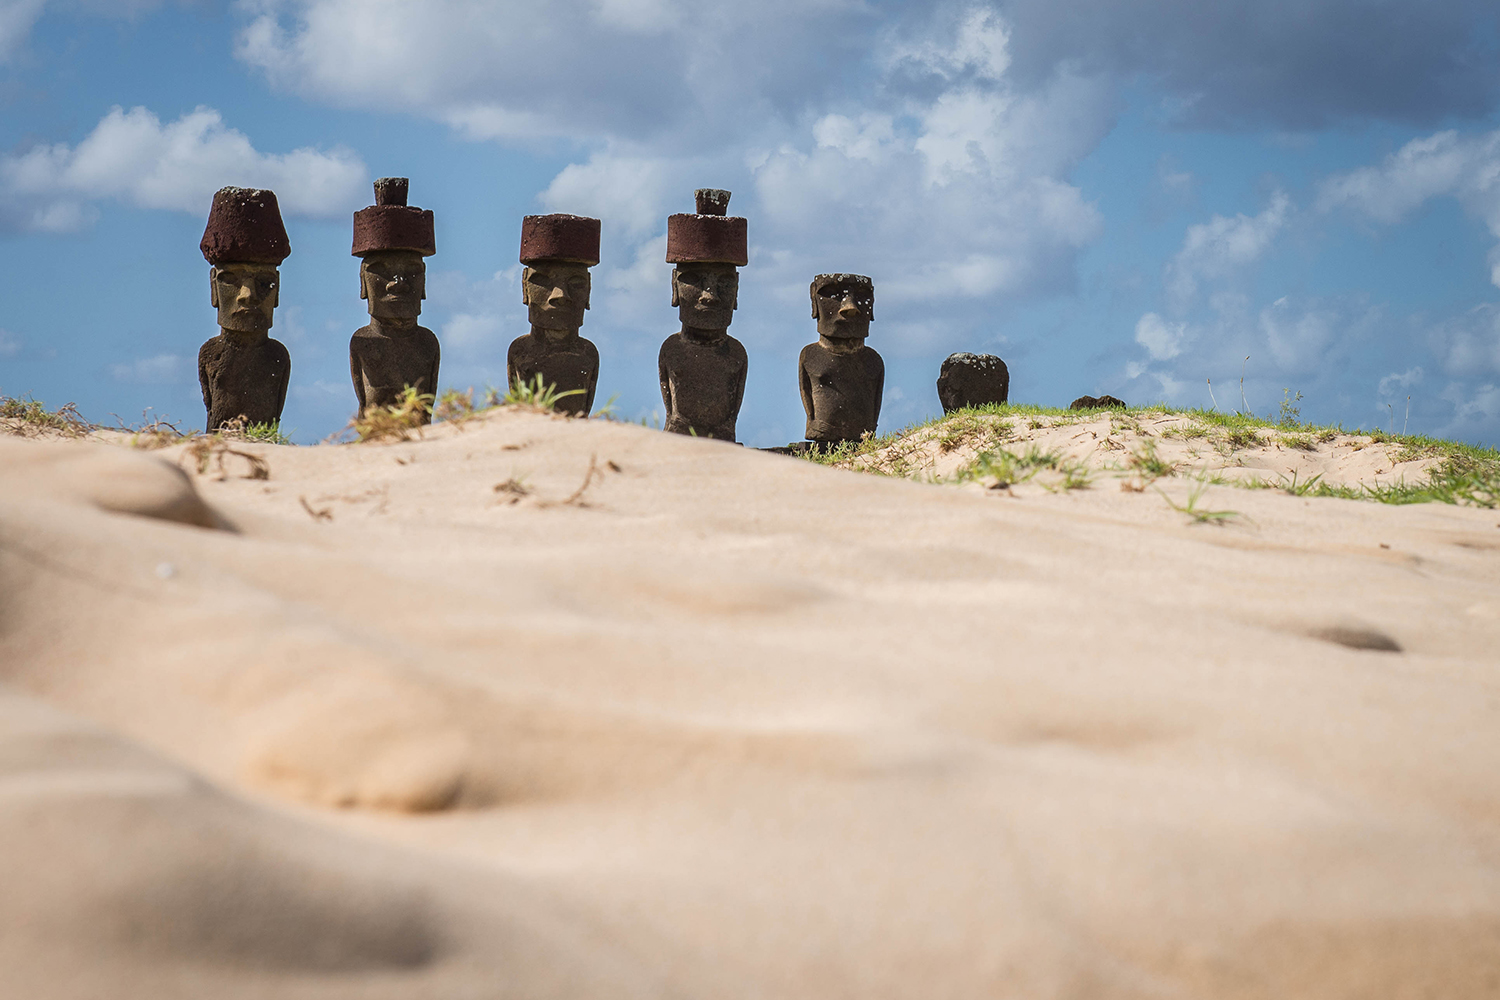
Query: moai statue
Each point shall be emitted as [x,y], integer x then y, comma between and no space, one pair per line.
[558,251]
[972,380]
[393,352]
[702,368]
[242,371]
[841,379]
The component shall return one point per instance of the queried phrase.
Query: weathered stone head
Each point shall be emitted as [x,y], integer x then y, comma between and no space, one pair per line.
[245,242]
[708,248]
[558,251]
[844,306]
[972,380]
[391,238]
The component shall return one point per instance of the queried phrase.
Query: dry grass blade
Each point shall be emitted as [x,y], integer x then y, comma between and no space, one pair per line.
[206,452]
[512,490]
[323,514]
[588,478]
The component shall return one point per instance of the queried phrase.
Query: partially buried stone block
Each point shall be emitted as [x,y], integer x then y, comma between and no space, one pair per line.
[391,239]
[243,372]
[972,380]
[701,367]
[558,251]
[841,379]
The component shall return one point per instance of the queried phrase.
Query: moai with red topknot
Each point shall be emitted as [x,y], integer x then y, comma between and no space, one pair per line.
[701,367]
[841,379]
[558,251]
[243,372]
[393,353]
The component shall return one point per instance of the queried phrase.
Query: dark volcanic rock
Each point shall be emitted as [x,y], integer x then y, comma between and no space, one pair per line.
[1097,403]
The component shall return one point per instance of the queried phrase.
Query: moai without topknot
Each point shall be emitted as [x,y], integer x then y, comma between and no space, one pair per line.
[701,367]
[841,379]
[967,380]
[242,371]
[393,352]
[558,251]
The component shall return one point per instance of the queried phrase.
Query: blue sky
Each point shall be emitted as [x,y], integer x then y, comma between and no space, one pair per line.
[1124,196]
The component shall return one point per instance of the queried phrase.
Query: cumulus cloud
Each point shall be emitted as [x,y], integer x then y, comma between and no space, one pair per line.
[636,67]
[1161,339]
[1468,345]
[131,156]
[162,369]
[1287,64]
[1223,246]
[1446,164]
[18,17]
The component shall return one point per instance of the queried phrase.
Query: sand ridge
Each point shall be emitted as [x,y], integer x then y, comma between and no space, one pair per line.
[1115,446]
[731,724]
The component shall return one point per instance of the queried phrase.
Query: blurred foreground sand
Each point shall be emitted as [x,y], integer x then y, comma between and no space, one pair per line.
[423,720]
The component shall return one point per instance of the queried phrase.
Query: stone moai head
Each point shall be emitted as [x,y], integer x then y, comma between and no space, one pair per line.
[391,238]
[708,248]
[245,243]
[843,305]
[558,251]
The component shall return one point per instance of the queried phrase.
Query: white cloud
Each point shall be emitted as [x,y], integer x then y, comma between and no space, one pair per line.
[1223,246]
[16,19]
[163,369]
[131,156]
[1398,382]
[10,344]
[1161,339]
[1445,164]
[1469,344]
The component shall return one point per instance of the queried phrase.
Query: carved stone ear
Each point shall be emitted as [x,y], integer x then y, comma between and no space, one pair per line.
[674,287]
[525,286]
[363,274]
[814,297]
[213,287]
[276,292]
[588,288]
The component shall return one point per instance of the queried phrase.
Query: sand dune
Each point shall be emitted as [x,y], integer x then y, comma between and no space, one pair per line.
[457,717]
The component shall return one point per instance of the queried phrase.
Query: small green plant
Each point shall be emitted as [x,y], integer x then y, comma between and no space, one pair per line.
[609,411]
[1199,514]
[535,395]
[396,421]
[455,407]
[1290,414]
[1300,489]
[1148,463]
[266,433]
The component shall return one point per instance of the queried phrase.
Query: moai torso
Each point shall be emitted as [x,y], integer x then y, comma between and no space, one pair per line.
[568,364]
[383,364]
[702,384]
[243,375]
[841,392]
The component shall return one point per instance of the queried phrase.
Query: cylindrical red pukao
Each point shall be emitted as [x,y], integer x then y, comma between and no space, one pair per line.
[560,237]
[244,227]
[708,237]
[390,224]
